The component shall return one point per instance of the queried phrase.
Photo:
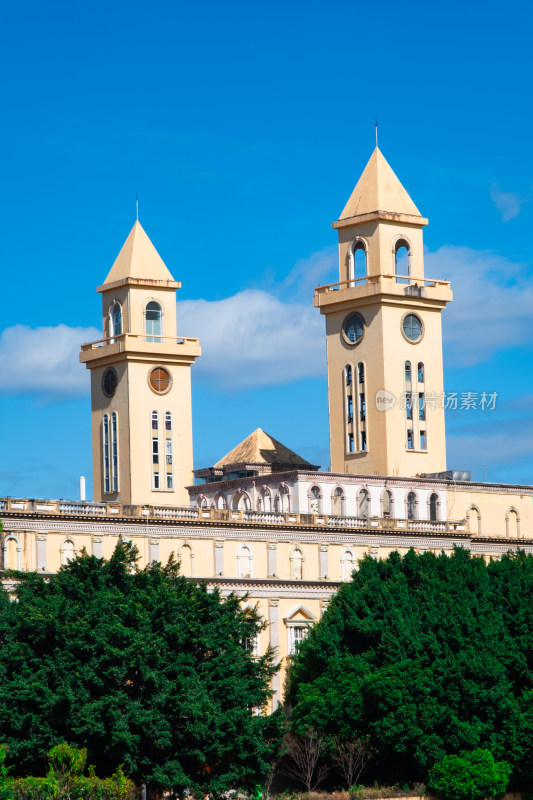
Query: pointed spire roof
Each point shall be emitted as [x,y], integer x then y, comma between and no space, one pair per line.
[260,448]
[379,190]
[138,259]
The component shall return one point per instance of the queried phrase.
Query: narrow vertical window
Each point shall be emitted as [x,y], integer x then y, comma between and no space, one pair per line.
[363,441]
[116,319]
[423,441]
[410,440]
[358,265]
[420,372]
[411,505]
[407,373]
[362,407]
[434,507]
[153,322]
[421,407]
[351,444]
[361,372]
[168,450]
[348,374]
[408,405]
[402,259]
[114,449]
[350,409]
[155,451]
[105,443]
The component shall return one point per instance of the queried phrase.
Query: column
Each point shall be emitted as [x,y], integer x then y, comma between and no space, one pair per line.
[272,566]
[219,557]
[274,641]
[323,561]
[41,552]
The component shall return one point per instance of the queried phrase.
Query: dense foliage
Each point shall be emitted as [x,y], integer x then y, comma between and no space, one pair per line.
[427,656]
[141,667]
[471,775]
[65,780]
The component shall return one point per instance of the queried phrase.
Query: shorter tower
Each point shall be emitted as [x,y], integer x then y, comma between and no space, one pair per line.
[141,383]
[384,337]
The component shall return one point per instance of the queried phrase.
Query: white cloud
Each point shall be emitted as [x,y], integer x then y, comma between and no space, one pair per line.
[44,360]
[253,339]
[492,306]
[507,203]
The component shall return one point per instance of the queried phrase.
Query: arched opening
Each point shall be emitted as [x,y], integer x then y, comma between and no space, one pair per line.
[402,261]
[265,500]
[363,503]
[358,266]
[115,320]
[241,502]
[315,500]
[153,322]
[348,375]
[244,559]
[201,501]
[284,499]
[473,519]
[361,372]
[387,503]
[411,505]
[337,502]
[420,372]
[186,560]
[434,504]
[408,374]
[347,565]
[68,551]
[297,564]
[220,501]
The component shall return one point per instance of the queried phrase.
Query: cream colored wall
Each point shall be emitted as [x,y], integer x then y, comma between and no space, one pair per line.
[494,504]
[381,236]
[99,405]
[133,300]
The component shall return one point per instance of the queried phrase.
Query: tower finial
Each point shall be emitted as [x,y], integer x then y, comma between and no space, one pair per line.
[137,205]
[376,131]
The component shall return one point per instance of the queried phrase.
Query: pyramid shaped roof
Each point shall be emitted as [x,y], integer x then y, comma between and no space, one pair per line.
[138,259]
[378,189]
[260,448]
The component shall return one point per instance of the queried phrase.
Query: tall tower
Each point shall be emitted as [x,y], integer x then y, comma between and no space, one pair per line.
[141,383]
[384,338]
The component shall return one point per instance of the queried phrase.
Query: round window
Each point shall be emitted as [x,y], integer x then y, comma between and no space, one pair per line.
[353,328]
[109,382]
[160,380]
[412,327]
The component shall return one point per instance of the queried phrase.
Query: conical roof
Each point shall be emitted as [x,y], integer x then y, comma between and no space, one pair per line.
[260,448]
[378,189]
[138,259]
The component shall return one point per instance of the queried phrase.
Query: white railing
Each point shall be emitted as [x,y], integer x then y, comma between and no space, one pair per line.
[269,517]
[402,280]
[347,522]
[122,340]
[80,508]
[167,512]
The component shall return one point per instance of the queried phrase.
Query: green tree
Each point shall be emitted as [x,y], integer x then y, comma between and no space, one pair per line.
[425,655]
[470,776]
[143,668]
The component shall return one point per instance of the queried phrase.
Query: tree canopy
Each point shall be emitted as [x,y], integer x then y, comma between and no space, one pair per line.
[142,667]
[427,656]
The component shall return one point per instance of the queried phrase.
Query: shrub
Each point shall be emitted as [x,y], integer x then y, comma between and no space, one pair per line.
[470,776]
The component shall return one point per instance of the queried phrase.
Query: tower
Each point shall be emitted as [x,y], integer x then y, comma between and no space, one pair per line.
[384,337]
[141,383]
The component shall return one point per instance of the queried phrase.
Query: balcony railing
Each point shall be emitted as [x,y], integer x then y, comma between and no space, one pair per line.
[85,509]
[125,339]
[401,280]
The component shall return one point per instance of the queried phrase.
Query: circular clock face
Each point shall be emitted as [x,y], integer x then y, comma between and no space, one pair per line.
[353,328]
[109,382]
[160,380]
[412,327]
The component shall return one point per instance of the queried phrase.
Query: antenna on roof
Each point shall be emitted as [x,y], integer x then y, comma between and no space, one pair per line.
[376,131]
[137,205]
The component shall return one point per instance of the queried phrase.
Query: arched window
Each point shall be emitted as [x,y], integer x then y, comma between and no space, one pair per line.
[408,375]
[153,322]
[106,454]
[241,502]
[473,518]
[169,465]
[337,502]
[387,503]
[512,523]
[114,449]
[348,375]
[12,553]
[285,499]
[244,559]
[315,497]
[420,372]
[402,259]
[347,565]
[265,500]
[434,504]
[411,505]
[115,319]
[68,551]
[297,564]
[186,560]
[363,503]
[156,475]
[358,266]
[361,372]
[201,501]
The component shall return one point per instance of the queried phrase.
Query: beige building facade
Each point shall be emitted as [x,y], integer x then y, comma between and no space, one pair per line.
[263,521]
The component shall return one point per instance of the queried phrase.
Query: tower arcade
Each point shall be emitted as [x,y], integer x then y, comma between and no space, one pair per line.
[384,338]
[140,383]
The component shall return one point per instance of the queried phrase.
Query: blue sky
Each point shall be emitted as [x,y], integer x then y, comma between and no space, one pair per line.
[243,128]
